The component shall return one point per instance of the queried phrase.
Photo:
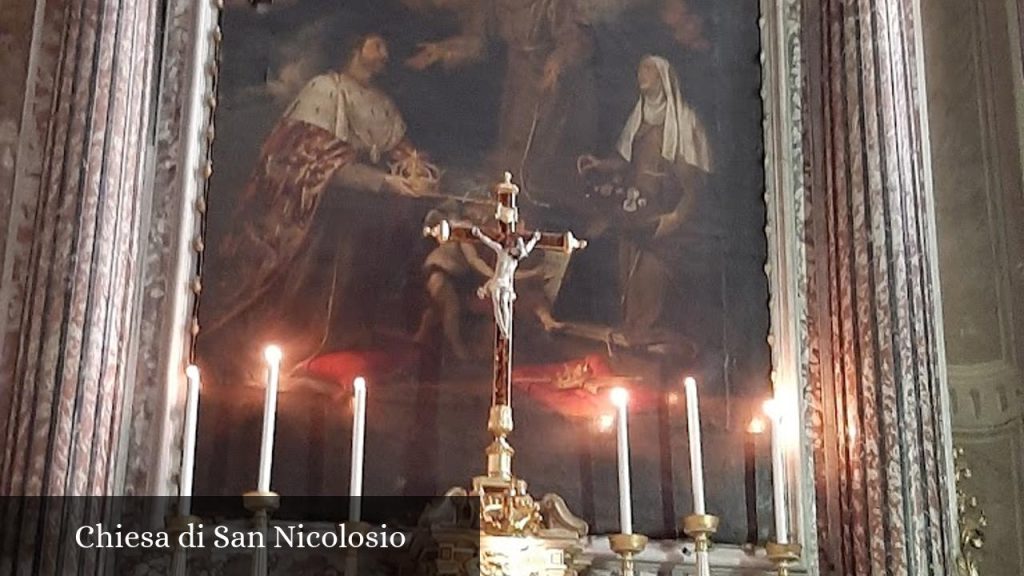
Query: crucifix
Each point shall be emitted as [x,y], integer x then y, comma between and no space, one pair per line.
[511,246]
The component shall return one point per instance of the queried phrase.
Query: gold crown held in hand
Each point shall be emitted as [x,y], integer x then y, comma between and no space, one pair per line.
[423,176]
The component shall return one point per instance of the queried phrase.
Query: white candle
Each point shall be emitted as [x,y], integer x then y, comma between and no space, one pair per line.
[273,357]
[188,456]
[620,397]
[774,412]
[358,445]
[696,455]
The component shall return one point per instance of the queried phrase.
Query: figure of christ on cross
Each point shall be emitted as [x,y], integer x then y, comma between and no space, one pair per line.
[511,247]
[501,286]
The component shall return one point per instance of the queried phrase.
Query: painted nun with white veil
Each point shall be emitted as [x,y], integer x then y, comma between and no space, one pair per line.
[663,159]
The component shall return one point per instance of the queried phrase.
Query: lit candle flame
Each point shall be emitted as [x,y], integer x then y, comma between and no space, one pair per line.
[359,383]
[757,425]
[272,354]
[620,396]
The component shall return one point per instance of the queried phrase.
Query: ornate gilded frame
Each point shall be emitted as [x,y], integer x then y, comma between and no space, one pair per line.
[175,243]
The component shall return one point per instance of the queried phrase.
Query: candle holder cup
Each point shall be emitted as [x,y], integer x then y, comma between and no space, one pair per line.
[783,556]
[627,546]
[257,501]
[701,527]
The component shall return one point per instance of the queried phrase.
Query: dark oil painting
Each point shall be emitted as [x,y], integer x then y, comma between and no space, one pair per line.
[345,127]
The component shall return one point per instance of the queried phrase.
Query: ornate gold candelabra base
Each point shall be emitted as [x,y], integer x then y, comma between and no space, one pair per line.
[783,556]
[627,546]
[545,540]
[506,508]
[517,535]
[261,504]
[701,527]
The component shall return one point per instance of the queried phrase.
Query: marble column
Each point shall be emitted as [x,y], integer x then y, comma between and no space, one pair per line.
[70,282]
[882,432]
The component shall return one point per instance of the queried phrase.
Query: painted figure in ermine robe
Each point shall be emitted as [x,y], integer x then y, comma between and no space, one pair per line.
[306,257]
[548,109]
[664,159]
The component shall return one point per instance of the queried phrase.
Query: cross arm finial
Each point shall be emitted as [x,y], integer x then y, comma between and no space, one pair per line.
[507,190]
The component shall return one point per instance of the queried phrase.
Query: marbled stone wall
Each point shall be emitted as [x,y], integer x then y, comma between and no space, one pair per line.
[16,19]
[975,92]
[34,43]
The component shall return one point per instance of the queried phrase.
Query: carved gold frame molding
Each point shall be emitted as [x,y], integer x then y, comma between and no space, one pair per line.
[788,266]
[184,134]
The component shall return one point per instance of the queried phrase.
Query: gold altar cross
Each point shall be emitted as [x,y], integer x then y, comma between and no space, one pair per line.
[511,245]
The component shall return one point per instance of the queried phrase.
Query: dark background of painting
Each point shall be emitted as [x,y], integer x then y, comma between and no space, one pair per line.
[425,436]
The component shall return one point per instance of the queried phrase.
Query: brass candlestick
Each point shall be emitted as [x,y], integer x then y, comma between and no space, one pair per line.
[176,526]
[783,556]
[261,504]
[627,546]
[352,555]
[700,527]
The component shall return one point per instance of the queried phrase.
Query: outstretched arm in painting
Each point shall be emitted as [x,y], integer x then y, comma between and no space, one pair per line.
[465,48]
[369,178]
[366,178]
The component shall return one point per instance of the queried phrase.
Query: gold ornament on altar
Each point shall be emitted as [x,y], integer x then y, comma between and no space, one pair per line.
[784,556]
[971,518]
[519,536]
[627,546]
[423,176]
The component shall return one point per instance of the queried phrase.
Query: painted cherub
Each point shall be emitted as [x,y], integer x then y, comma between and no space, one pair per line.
[501,285]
